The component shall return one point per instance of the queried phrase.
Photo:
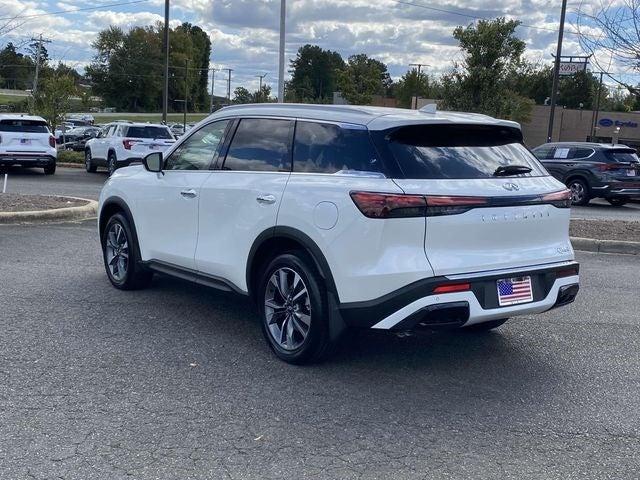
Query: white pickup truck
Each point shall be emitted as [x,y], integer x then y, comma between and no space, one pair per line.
[26,141]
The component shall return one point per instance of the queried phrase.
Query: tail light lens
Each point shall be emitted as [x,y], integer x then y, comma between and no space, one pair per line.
[128,144]
[453,205]
[605,167]
[568,272]
[52,141]
[560,199]
[388,205]
[452,288]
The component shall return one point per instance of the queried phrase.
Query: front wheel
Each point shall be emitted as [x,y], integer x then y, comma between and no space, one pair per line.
[579,192]
[122,256]
[292,303]
[617,201]
[112,163]
[485,326]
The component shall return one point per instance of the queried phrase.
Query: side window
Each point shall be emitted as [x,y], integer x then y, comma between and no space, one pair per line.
[581,153]
[260,144]
[327,148]
[544,153]
[112,130]
[562,153]
[199,150]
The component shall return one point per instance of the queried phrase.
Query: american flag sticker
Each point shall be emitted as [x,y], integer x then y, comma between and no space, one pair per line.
[512,291]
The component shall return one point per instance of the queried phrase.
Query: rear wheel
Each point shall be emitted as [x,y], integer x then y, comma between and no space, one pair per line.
[122,256]
[579,192]
[485,326]
[112,163]
[88,162]
[293,309]
[50,169]
[617,201]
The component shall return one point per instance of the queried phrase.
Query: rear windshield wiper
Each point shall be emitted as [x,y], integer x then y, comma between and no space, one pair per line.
[508,170]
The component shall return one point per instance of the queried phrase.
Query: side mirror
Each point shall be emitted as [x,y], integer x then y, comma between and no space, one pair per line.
[153,162]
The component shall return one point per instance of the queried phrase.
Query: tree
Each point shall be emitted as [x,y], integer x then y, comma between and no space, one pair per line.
[492,54]
[16,69]
[362,78]
[242,95]
[410,84]
[52,100]
[314,74]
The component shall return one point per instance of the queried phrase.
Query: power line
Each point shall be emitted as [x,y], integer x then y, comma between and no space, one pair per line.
[73,10]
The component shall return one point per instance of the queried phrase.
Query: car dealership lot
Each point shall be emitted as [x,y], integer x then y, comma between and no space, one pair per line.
[176,382]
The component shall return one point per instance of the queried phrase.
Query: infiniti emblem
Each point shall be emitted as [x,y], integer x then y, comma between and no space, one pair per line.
[510,186]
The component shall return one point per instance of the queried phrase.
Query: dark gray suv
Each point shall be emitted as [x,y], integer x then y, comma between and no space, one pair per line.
[593,170]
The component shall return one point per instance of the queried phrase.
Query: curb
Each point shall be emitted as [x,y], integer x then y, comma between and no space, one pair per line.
[66,213]
[70,165]
[605,246]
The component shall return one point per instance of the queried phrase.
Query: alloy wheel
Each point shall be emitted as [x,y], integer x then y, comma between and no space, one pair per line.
[117,252]
[287,308]
[577,192]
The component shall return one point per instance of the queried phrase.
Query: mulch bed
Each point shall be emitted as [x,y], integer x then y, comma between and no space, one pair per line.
[606,230]
[11,202]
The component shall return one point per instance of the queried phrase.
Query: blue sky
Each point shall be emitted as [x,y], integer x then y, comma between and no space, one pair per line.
[245,32]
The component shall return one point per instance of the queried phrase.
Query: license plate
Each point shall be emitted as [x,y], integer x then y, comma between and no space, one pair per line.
[512,291]
[631,173]
[25,141]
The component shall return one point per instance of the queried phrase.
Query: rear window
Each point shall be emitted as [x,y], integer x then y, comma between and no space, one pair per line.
[30,126]
[622,156]
[458,151]
[149,132]
[327,148]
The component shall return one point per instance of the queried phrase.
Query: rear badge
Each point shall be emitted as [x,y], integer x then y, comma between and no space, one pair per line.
[512,187]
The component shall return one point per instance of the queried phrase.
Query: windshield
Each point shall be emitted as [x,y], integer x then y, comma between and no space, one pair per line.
[149,132]
[461,152]
[29,126]
[623,156]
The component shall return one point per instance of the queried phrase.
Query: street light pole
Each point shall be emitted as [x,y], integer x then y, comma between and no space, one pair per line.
[213,83]
[419,66]
[259,96]
[594,119]
[283,14]
[186,93]
[165,92]
[556,71]
[229,70]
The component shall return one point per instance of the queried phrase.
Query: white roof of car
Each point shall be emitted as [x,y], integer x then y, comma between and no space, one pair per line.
[17,116]
[602,146]
[375,118]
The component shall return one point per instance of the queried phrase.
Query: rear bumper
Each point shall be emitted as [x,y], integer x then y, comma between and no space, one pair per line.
[616,189]
[417,306]
[27,159]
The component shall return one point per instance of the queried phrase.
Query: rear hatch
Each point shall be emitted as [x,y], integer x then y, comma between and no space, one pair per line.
[145,139]
[623,166]
[24,136]
[490,204]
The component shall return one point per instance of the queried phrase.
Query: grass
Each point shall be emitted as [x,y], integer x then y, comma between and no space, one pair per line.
[69,156]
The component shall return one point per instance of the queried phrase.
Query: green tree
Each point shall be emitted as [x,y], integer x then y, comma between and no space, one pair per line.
[492,54]
[314,74]
[53,98]
[16,69]
[362,78]
[410,84]
[242,95]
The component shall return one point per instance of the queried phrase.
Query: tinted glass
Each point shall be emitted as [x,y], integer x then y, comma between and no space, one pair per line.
[260,145]
[543,152]
[29,126]
[325,148]
[459,151]
[149,132]
[199,150]
[624,156]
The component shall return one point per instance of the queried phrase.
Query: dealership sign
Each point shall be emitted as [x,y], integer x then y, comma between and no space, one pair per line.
[570,68]
[608,122]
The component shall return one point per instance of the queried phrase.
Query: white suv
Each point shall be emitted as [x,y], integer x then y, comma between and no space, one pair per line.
[330,217]
[121,143]
[25,140]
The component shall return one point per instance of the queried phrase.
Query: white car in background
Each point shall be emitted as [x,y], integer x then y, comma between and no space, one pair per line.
[121,143]
[26,141]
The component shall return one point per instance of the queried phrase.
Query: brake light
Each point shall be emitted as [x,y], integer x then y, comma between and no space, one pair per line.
[389,205]
[452,288]
[52,141]
[438,205]
[128,143]
[568,272]
[561,199]
[604,167]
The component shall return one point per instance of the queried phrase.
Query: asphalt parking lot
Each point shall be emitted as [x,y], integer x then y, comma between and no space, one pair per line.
[176,382]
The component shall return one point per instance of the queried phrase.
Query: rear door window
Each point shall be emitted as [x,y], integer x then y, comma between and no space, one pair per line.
[459,151]
[329,148]
[26,126]
[261,144]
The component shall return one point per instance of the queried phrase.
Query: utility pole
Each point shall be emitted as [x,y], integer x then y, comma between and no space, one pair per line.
[186,92]
[39,41]
[419,67]
[594,118]
[283,15]
[213,82]
[165,41]
[556,71]
[229,70]
[259,96]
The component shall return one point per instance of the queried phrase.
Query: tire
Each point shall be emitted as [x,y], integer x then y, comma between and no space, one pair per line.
[580,194]
[88,163]
[485,326]
[112,163]
[50,170]
[617,201]
[298,329]
[120,243]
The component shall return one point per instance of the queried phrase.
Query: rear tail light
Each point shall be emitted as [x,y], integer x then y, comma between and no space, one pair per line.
[389,205]
[453,205]
[128,144]
[568,272]
[52,141]
[452,288]
[560,199]
[605,167]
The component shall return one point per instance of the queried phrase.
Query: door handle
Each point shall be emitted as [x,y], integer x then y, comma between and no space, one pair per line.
[190,193]
[266,199]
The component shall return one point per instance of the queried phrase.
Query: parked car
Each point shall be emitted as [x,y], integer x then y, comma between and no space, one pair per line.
[120,143]
[318,214]
[592,170]
[177,129]
[25,140]
[76,138]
